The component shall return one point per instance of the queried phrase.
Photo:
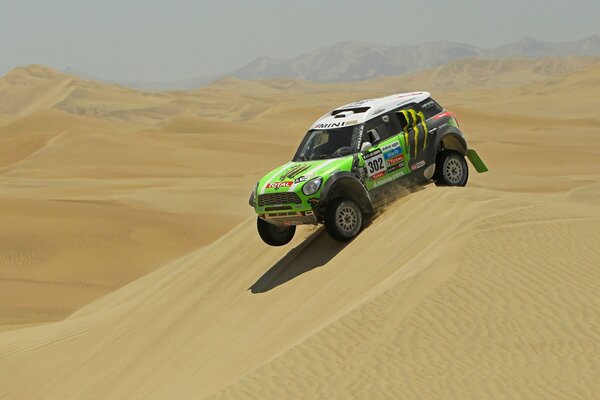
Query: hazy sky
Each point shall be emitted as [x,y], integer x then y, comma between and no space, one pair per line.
[177,39]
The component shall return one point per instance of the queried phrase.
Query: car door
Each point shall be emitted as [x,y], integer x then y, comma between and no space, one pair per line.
[384,162]
[416,135]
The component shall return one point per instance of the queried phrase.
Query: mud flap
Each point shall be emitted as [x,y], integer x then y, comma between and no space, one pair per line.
[476,161]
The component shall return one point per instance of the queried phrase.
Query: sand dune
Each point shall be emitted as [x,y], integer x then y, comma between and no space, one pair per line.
[455,305]
[481,73]
[125,221]
[27,90]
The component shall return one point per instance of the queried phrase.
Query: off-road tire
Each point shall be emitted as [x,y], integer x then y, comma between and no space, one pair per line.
[343,219]
[451,169]
[274,235]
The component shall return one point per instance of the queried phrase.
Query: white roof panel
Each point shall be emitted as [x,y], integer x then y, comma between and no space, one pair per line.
[376,107]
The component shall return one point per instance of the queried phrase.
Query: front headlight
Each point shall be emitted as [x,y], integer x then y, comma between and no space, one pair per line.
[311,187]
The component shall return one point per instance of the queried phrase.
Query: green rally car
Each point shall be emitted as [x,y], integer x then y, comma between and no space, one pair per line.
[353,157]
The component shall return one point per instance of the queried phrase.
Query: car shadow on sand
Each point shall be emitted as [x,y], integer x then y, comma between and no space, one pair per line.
[316,251]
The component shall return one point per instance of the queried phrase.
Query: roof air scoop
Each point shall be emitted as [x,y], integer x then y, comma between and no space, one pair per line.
[349,111]
[343,114]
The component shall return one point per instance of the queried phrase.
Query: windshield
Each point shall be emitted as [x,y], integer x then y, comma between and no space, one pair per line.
[319,144]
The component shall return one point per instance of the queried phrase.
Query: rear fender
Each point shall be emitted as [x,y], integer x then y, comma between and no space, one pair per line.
[451,138]
[447,138]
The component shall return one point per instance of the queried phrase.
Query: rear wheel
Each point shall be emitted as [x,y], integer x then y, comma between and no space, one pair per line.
[274,235]
[343,219]
[451,169]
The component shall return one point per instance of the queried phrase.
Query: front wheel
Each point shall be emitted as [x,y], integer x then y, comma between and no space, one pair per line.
[274,235]
[343,219]
[451,169]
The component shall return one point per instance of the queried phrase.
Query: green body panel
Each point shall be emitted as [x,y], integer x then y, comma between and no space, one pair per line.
[292,176]
[385,162]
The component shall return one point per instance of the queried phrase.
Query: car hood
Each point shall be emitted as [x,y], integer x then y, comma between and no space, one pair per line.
[292,175]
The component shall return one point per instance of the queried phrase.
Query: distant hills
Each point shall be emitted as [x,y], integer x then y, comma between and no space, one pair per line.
[352,61]
[355,61]
[27,92]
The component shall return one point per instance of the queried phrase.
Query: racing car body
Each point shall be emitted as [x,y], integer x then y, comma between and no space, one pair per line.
[353,157]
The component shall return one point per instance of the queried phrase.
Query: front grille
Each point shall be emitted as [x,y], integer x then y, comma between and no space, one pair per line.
[272,199]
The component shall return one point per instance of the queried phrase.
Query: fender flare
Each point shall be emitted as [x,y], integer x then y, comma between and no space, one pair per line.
[346,184]
[448,137]
[452,138]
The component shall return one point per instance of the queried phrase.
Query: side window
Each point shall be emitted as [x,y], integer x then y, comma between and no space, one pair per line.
[384,125]
[322,139]
[430,107]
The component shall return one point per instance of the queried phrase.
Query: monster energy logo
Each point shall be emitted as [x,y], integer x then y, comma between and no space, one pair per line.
[414,119]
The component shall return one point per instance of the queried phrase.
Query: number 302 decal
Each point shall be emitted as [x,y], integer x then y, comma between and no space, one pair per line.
[375,163]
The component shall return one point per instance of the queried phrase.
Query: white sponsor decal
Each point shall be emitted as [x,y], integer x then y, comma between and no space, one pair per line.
[418,165]
[390,146]
[330,125]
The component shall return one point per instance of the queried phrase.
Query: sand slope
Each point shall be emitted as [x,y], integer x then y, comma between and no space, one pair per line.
[490,291]
[453,305]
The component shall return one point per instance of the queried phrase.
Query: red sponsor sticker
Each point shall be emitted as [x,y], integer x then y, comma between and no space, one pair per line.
[277,185]
[378,175]
[396,159]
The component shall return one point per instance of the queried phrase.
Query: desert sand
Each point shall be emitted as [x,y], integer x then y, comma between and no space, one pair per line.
[130,266]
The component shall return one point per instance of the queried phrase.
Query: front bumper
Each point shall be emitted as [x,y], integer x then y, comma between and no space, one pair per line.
[288,218]
[286,208]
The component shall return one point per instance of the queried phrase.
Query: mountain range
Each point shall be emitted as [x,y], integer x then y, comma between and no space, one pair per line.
[352,61]
[355,61]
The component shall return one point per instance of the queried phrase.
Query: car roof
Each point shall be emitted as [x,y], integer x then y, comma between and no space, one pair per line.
[363,110]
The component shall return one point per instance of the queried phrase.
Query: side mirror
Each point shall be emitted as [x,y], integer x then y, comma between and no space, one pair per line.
[365,146]
[374,136]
